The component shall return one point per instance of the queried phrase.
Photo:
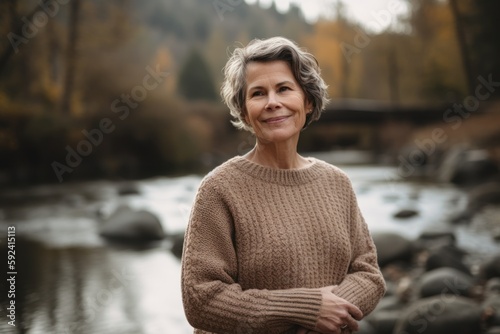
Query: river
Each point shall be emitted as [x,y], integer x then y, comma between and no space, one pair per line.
[69,280]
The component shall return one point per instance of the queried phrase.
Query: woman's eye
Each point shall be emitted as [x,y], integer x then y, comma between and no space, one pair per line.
[257,93]
[284,88]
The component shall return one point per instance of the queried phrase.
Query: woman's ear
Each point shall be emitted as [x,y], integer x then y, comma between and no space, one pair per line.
[309,107]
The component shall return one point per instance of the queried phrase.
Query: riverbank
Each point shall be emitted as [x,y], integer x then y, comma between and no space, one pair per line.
[71,276]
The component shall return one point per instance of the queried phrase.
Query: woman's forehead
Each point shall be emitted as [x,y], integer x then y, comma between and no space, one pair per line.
[275,71]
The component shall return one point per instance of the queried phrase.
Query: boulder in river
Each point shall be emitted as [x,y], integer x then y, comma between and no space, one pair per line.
[384,317]
[492,286]
[390,303]
[490,268]
[433,236]
[384,321]
[177,240]
[439,315]
[491,309]
[483,195]
[128,224]
[392,247]
[365,328]
[473,167]
[405,213]
[448,256]
[445,281]
[128,189]
[479,197]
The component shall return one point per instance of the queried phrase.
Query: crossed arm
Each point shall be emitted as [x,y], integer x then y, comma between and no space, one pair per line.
[215,302]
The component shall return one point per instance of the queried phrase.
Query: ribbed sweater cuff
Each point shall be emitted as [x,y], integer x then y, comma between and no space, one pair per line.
[346,291]
[299,306]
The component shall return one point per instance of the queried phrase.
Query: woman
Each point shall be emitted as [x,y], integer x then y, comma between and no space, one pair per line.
[276,242]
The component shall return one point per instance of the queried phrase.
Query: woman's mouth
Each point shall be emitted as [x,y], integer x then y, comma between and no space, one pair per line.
[274,120]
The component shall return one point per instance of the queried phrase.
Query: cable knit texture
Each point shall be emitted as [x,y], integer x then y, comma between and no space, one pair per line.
[261,242]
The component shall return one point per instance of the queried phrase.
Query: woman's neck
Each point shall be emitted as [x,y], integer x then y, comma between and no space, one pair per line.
[277,155]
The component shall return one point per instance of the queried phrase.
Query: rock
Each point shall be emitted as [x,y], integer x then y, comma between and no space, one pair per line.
[405,213]
[479,197]
[384,317]
[74,200]
[405,289]
[394,272]
[365,328]
[474,167]
[392,247]
[445,281]
[492,286]
[462,217]
[446,256]
[446,168]
[384,321]
[440,315]
[177,244]
[483,195]
[491,309]
[390,303]
[442,235]
[128,189]
[490,268]
[132,225]
[391,288]
[414,162]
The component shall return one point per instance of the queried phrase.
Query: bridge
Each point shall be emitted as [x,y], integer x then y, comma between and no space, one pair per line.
[376,112]
[373,125]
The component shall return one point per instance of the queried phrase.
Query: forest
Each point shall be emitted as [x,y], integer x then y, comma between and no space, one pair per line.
[124,89]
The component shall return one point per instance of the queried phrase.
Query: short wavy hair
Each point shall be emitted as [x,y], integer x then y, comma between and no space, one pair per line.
[304,66]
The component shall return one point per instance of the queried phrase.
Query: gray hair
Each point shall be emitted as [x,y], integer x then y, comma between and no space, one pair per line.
[304,66]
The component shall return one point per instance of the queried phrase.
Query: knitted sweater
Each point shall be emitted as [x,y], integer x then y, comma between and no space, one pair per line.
[261,242]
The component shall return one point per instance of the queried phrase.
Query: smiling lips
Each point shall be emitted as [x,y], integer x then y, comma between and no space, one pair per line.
[274,120]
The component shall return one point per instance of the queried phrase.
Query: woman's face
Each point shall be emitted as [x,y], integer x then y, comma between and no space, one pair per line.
[276,106]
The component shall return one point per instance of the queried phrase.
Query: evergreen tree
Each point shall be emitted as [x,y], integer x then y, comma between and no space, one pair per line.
[484,26]
[195,79]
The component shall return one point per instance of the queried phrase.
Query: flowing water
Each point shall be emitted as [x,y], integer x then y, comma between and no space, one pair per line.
[69,280]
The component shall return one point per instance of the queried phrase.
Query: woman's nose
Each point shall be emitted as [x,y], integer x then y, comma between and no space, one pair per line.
[272,102]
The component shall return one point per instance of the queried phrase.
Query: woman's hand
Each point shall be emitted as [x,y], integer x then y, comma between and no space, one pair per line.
[336,314]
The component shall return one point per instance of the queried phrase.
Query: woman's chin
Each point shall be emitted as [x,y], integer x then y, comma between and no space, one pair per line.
[278,136]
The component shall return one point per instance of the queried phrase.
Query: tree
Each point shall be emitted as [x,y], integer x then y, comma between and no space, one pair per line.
[195,79]
[69,75]
[15,36]
[482,24]
[441,57]
[462,42]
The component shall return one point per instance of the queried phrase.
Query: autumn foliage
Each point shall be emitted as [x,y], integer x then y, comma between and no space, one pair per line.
[153,70]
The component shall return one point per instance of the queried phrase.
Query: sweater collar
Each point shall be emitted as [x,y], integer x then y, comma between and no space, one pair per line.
[288,177]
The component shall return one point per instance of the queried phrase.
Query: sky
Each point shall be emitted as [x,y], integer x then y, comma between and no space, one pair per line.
[374,15]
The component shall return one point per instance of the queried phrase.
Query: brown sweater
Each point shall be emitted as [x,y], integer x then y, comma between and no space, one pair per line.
[261,242]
